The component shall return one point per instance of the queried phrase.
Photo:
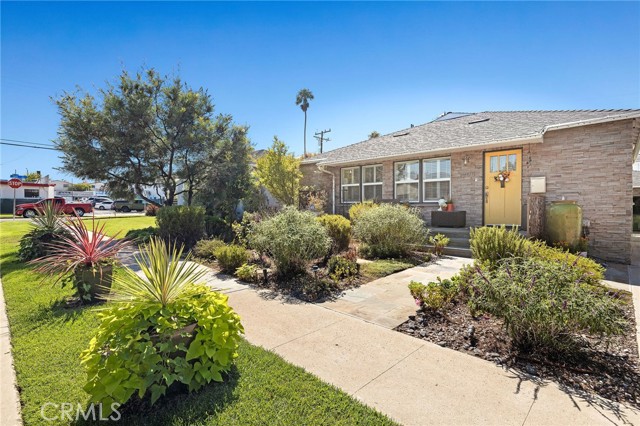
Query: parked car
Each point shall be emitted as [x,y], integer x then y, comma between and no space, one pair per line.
[127,206]
[103,205]
[96,200]
[61,205]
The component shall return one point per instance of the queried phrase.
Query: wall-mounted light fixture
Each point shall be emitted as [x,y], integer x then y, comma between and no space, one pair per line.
[465,159]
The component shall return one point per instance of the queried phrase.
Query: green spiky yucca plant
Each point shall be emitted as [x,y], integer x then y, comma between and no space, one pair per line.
[46,228]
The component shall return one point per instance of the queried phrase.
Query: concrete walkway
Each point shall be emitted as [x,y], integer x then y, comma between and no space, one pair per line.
[348,344]
[386,301]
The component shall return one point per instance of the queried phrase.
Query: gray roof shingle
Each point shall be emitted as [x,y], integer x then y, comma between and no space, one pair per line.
[461,130]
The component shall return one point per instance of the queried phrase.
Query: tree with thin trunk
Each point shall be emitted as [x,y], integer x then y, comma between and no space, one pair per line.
[278,170]
[303,98]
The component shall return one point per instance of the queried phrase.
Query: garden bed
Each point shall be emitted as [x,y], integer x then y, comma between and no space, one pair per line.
[609,369]
[48,337]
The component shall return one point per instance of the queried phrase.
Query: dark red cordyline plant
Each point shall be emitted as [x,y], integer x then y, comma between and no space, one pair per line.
[84,248]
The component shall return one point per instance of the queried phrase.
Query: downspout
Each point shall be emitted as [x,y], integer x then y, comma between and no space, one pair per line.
[333,188]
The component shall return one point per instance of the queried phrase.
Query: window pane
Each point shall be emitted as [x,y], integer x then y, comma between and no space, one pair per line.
[350,176]
[445,168]
[430,169]
[503,163]
[494,164]
[408,171]
[378,173]
[369,174]
[351,194]
[31,193]
[414,171]
[372,192]
[437,190]
[407,192]
[512,161]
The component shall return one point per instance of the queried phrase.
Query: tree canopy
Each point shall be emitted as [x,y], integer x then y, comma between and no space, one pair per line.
[278,171]
[83,186]
[374,134]
[146,130]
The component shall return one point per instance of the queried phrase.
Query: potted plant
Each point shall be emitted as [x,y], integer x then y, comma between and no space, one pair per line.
[83,258]
[450,206]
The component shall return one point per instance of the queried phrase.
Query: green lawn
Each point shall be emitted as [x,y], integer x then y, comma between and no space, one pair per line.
[48,338]
[382,267]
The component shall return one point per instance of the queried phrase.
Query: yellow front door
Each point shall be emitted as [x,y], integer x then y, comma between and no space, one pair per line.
[503,187]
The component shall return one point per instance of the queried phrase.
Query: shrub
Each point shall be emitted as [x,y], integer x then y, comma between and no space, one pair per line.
[247,273]
[339,230]
[543,304]
[356,210]
[217,227]
[439,242]
[206,249]
[291,238]
[389,231]
[243,228]
[151,210]
[47,228]
[434,296]
[494,243]
[591,272]
[340,267]
[165,330]
[142,236]
[231,257]
[182,225]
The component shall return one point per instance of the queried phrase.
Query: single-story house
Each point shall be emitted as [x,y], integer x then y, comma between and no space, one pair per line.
[582,155]
[27,193]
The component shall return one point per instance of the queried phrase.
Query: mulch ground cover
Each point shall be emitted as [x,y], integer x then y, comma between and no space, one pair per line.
[608,368]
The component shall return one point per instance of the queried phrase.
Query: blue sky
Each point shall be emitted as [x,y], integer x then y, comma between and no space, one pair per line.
[371,66]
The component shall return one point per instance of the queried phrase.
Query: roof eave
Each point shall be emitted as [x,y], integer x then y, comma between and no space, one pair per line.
[537,138]
[587,122]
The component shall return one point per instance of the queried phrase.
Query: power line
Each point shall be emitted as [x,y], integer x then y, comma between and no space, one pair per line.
[28,146]
[30,143]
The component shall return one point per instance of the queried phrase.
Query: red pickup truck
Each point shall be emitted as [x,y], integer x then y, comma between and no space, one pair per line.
[33,209]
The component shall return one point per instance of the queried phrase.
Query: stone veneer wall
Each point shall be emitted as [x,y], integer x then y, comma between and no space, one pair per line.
[589,164]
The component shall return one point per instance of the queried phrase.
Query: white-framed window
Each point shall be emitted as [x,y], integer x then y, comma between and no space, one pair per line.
[372,182]
[436,179]
[407,181]
[350,184]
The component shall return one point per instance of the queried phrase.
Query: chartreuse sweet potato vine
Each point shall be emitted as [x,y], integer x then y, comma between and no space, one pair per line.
[144,345]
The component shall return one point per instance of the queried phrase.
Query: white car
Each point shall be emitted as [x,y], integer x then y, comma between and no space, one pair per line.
[104,205]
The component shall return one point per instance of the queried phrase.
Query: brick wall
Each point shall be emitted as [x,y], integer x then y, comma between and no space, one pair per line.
[590,164]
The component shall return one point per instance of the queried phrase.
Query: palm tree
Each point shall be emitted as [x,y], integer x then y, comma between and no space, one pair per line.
[374,134]
[303,98]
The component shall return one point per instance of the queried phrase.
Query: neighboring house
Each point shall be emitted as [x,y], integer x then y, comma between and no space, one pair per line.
[27,193]
[584,156]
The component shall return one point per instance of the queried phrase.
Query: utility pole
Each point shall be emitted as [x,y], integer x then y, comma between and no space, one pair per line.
[321,139]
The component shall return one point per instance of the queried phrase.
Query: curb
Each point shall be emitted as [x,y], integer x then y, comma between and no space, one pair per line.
[9,398]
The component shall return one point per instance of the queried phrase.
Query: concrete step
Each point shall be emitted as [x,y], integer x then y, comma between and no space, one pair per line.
[458,242]
[455,251]
[451,232]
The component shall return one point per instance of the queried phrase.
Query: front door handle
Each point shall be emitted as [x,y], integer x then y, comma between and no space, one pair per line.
[486,197]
